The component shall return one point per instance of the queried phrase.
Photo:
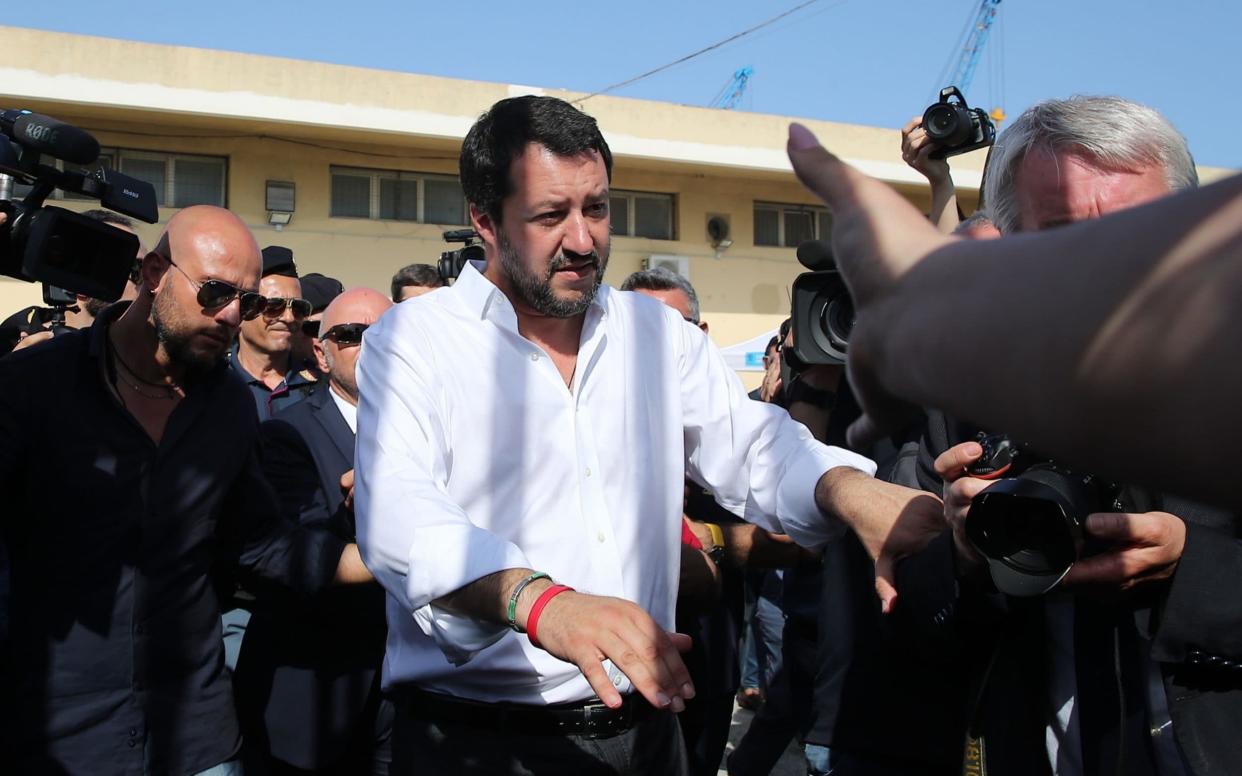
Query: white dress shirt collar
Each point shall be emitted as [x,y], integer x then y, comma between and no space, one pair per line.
[348,411]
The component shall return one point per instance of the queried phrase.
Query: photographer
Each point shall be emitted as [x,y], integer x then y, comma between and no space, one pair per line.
[1064,161]
[115,661]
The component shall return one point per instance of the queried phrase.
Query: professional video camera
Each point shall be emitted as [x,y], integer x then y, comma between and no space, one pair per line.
[955,127]
[823,312]
[1028,525]
[56,246]
[452,262]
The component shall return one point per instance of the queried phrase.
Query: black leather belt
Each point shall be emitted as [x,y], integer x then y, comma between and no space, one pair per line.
[590,719]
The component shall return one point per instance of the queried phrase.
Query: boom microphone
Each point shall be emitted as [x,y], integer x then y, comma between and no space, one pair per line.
[49,136]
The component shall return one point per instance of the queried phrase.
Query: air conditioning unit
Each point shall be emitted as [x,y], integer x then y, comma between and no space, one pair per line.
[672,263]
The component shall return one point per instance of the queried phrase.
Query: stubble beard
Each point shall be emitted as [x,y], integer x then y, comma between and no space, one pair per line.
[176,342]
[536,292]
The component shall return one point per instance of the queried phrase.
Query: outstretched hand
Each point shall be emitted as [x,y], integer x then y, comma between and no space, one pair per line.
[877,237]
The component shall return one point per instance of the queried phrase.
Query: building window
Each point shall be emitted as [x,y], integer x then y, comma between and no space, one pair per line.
[788,225]
[179,180]
[641,214]
[396,195]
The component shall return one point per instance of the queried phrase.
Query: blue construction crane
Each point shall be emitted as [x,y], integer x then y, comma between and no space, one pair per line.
[728,97]
[959,71]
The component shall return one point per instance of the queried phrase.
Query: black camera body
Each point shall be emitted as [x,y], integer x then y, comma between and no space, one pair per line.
[57,246]
[955,127]
[822,309]
[452,262]
[1028,525]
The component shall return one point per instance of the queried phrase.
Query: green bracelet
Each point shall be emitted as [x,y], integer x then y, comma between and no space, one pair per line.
[517,591]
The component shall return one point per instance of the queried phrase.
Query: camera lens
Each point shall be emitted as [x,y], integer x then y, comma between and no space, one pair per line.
[946,125]
[832,318]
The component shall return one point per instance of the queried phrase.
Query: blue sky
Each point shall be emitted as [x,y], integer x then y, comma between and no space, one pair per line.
[860,61]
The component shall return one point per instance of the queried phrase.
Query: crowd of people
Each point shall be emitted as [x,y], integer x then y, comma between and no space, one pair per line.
[528,523]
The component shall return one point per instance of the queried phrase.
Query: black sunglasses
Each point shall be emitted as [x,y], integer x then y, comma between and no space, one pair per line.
[214,294]
[274,307]
[346,333]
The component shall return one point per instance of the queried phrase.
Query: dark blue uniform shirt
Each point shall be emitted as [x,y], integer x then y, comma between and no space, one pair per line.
[114,663]
[268,401]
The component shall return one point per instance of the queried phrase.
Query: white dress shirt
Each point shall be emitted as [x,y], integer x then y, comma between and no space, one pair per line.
[348,411]
[474,457]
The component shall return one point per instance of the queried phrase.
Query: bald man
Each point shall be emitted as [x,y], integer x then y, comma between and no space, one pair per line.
[115,662]
[307,679]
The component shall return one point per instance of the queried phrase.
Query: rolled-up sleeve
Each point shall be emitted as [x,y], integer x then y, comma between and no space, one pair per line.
[755,459]
[417,542]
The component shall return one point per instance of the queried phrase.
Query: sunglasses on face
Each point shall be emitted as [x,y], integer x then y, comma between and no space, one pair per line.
[274,307]
[214,294]
[345,333]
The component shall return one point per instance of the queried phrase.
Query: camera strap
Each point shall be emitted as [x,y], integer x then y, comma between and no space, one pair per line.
[974,755]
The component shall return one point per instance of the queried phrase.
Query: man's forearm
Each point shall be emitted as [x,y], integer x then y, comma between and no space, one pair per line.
[487,598]
[837,493]
[943,211]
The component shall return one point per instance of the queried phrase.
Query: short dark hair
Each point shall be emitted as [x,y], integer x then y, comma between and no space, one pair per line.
[772,343]
[108,217]
[663,279]
[502,134]
[423,275]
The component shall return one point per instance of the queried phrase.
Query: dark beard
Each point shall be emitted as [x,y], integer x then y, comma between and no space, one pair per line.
[177,344]
[536,292]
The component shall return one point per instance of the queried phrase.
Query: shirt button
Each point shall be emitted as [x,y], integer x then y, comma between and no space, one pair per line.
[534,356]
[588,471]
[600,536]
[133,732]
[131,743]
[139,629]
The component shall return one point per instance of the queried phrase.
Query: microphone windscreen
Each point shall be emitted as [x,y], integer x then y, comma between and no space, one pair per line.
[56,138]
[816,255]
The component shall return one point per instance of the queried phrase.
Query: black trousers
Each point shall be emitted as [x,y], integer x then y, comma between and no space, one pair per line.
[422,747]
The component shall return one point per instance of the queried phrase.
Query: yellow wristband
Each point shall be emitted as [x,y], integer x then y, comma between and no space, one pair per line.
[717,534]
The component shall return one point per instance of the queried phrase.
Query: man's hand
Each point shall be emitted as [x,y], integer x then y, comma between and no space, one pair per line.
[1146,549]
[891,521]
[916,148]
[33,339]
[771,378]
[877,237]
[959,490]
[586,630]
[347,488]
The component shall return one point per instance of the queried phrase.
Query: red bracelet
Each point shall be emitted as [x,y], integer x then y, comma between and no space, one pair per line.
[532,620]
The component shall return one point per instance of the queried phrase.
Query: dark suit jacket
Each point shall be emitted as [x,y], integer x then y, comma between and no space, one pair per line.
[1193,623]
[307,679]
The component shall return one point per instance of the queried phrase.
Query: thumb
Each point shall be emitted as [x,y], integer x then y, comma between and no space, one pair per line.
[884,586]
[818,169]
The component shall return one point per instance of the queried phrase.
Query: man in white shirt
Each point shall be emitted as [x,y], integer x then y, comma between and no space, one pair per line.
[529,420]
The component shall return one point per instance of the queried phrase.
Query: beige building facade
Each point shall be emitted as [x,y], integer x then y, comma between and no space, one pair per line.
[370,158]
